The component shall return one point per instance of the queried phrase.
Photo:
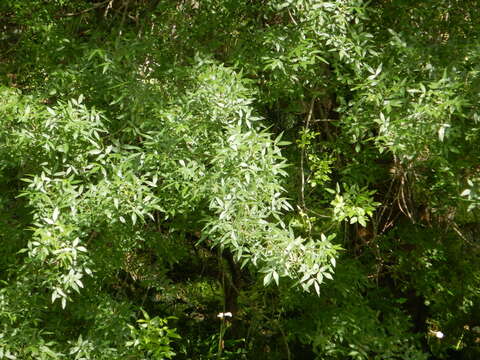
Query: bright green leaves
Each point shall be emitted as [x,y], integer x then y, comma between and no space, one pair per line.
[153,337]
[209,157]
[64,134]
[321,169]
[82,181]
[249,205]
[52,247]
[354,204]
[472,194]
[224,158]
[424,112]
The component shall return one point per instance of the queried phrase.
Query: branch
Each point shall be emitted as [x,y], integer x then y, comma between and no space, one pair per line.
[96,6]
[302,155]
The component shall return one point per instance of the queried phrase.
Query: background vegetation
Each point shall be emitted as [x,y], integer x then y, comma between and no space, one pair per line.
[309,167]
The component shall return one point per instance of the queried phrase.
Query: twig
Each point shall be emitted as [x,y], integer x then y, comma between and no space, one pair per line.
[318,214]
[109,6]
[401,197]
[291,18]
[285,340]
[324,120]
[222,324]
[96,6]
[124,15]
[382,212]
[302,155]
[456,228]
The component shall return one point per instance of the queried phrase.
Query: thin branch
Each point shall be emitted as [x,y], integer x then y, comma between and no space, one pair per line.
[96,6]
[324,120]
[285,340]
[302,155]
[292,18]
[126,3]
[318,214]
[456,228]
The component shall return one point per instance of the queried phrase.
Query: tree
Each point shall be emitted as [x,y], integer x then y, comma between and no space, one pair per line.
[309,166]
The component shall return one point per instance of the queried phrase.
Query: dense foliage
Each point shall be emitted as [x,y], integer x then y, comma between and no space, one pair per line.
[239,179]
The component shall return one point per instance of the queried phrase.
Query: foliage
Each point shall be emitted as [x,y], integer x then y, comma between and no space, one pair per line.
[153,337]
[309,166]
